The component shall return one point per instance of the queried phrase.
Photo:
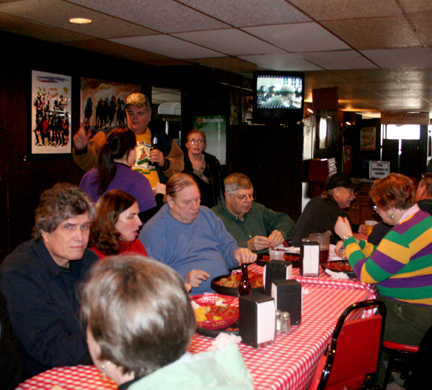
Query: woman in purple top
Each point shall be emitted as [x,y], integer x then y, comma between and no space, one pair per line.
[114,172]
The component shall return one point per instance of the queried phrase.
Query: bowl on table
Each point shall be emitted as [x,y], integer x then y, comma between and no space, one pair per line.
[217,283]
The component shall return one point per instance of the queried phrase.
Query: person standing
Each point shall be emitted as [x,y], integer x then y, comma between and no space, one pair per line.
[166,160]
[204,167]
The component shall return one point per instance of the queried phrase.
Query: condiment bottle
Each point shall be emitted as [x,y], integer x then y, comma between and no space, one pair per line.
[154,146]
[285,325]
[245,288]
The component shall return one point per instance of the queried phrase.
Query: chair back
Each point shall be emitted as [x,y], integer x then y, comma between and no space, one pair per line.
[354,350]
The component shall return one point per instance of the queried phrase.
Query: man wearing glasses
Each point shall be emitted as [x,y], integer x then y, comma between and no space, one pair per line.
[253,225]
[322,212]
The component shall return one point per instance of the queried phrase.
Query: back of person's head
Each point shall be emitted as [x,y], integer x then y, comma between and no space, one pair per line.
[394,190]
[237,181]
[139,313]
[120,142]
[59,203]
[177,182]
[104,235]
[426,183]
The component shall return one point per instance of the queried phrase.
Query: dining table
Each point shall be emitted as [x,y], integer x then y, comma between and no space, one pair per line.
[288,363]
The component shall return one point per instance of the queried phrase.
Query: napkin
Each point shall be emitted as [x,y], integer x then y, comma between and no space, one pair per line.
[224,339]
[336,275]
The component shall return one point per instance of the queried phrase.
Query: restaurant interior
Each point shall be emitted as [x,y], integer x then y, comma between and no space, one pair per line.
[360,58]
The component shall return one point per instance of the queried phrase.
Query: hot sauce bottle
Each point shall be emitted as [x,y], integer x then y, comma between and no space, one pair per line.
[245,287]
[154,145]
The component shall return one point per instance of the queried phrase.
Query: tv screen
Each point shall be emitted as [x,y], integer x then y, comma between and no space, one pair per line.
[278,96]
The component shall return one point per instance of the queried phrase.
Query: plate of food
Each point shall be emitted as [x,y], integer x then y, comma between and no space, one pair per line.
[228,284]
[215,313]
[294,258]
[339,266]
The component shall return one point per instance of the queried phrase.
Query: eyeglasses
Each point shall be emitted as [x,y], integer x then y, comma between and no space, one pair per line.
[194,141]
[242,198]
[375,208]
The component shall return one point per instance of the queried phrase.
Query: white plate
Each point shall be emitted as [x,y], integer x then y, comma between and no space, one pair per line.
[289,249]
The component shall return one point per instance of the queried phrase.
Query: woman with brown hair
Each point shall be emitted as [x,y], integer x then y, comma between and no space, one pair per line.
[204,167]
[401,265]
[115,228]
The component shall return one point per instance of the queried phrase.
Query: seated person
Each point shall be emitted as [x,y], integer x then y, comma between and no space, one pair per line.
[190,238]
[424,193]
[140,338]
[39,278]
[322,212]
[165,161]
[115,227]
[114,171]
[253,225]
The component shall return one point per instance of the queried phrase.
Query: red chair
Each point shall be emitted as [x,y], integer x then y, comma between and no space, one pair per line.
[399,353]
[352,358]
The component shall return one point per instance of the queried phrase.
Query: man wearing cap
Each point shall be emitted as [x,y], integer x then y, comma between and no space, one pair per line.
[166,160]
[322,212]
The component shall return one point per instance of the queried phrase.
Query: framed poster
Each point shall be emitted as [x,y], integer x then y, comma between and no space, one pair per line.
[368,138]
[50,113]
[214,127]
[103,103]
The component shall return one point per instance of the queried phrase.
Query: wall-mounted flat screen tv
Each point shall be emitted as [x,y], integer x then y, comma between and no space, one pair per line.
[278,96]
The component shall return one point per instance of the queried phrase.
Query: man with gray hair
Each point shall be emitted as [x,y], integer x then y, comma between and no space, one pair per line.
[39,279]
[253,225]
[157,165]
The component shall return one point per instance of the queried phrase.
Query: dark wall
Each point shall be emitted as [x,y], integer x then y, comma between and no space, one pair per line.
[271,156]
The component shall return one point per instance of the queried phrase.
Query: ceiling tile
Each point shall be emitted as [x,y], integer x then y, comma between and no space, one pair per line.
[349,59]
[36,30]
[168,46]
[57,13]
[244,13]
[423,25]
[347,9]
[281,62]
[411,6]
[231,42]
[301,37]
[166,17]
[374,33]
[400,58]
[228,63]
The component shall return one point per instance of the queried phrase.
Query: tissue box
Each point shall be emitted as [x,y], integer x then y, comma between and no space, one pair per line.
[309,265]
[288,297]
[274,270]
[257,325]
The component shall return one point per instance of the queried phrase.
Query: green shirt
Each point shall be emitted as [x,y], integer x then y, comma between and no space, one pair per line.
[259,221]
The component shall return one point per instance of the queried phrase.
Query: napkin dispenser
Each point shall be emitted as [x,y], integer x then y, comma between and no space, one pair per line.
[309,257]
[257,324]
[288,297]
[275,270]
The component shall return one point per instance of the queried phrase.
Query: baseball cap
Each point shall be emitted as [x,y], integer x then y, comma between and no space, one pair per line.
[138,99]
[340,180]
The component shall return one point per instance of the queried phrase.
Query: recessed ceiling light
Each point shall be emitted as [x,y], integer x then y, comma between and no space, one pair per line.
[80,21]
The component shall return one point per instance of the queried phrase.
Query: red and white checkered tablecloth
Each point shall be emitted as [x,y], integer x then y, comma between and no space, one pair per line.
[289,363]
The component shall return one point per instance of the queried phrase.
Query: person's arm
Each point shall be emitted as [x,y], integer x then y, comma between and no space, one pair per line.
[174,161]
[143,193]
[86,157]
[278,221]
[52,335]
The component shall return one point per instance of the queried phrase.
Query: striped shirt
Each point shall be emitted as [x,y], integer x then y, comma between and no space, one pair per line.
[401,265]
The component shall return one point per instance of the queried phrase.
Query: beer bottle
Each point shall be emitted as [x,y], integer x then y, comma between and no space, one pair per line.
[154,145]
[245,288]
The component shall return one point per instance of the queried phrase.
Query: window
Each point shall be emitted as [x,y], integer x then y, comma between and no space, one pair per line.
[402,132]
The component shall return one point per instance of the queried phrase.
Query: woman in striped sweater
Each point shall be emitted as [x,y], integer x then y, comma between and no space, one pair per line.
[401,265]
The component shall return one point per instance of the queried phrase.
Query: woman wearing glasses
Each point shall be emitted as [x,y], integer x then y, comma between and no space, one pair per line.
[401,265]
[204,167]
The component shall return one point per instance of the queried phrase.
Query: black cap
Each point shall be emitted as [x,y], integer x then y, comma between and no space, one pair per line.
[340,180]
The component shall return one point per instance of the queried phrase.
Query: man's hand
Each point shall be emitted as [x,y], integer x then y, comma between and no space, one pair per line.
[81,138]
[258,243]
[156,156]
[276,238]
[196,277]
[244,256]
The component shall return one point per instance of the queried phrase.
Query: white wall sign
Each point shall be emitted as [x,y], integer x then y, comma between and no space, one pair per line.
[368,138]
[378,169]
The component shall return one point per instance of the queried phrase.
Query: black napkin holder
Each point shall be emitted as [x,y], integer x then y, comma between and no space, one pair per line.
[275,270]
[309,258]
[257,324]
[288,297]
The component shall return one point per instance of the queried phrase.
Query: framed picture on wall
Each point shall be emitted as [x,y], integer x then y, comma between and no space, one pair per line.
[103,103]
[50,113]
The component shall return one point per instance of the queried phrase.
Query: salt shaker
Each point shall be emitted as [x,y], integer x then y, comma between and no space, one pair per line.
[285,322]
[278,320]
